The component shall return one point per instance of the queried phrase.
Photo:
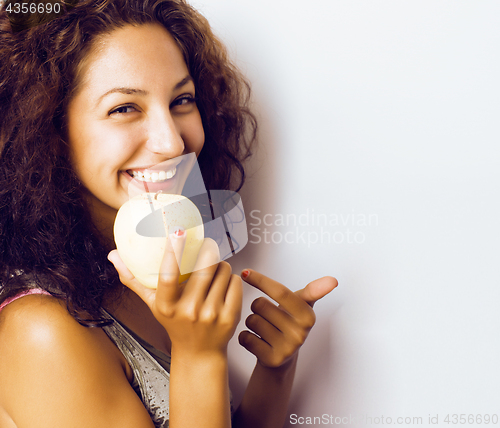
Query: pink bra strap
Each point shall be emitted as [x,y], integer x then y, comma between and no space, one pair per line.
[22,294]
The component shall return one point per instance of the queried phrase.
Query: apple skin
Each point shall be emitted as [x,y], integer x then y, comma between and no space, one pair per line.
[143,254]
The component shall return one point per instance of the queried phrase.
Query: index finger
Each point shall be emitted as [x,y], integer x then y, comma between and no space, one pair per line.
[168,278]
[276,291]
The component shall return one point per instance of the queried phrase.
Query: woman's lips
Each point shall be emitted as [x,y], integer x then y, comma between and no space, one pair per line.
[152,176]
[161,177]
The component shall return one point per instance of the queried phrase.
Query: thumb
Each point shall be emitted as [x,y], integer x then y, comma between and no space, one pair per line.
[317,289]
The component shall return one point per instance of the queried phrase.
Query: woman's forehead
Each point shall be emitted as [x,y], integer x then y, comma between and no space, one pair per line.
[133,56]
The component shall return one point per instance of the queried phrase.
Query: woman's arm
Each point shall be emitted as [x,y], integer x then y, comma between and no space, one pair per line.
[265,401]
[279,332]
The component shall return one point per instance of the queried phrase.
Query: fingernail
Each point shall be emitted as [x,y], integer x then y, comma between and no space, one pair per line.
[179,231]
[245,273]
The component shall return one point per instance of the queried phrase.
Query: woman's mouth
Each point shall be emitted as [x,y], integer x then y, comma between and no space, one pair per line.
[168,176]
[152,176]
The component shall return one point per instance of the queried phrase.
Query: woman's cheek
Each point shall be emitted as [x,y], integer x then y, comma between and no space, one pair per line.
[127,138]
[195,137]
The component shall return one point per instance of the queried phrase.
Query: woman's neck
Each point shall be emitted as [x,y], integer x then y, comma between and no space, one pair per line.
[133,312]
[103,219]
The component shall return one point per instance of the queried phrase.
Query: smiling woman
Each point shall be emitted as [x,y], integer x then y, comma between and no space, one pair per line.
[105,93]
[46,229]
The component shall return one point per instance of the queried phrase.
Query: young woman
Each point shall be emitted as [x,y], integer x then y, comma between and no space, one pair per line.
[90,97]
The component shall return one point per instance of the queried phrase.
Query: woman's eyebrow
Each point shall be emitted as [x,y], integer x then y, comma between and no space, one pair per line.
[126,91]
[129,91]
[183,82]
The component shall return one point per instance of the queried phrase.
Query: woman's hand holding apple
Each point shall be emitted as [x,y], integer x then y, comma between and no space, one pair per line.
[201,314]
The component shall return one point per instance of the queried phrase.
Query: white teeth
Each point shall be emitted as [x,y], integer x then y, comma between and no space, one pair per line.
[153,177]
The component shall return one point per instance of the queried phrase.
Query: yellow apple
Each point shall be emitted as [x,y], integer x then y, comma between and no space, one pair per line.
[141,231]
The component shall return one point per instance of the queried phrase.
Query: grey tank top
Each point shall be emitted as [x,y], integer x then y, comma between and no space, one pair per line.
[151,370]
[151,375]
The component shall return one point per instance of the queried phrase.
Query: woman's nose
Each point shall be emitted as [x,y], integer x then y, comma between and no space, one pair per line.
[164,136]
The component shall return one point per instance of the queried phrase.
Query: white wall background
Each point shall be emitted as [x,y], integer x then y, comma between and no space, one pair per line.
[384,116]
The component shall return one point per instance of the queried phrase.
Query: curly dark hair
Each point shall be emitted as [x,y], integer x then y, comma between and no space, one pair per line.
[47,238]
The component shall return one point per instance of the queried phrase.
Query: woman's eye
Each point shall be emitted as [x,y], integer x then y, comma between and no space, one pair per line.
[184,100]
[123,109]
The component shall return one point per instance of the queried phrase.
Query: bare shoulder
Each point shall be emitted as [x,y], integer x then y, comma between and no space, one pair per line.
[56,372]
[37,320]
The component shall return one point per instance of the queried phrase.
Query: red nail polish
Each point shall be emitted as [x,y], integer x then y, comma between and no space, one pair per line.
[179,231]
[245,273]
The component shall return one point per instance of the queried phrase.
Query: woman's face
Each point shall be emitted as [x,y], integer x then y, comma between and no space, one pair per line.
[135,109]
